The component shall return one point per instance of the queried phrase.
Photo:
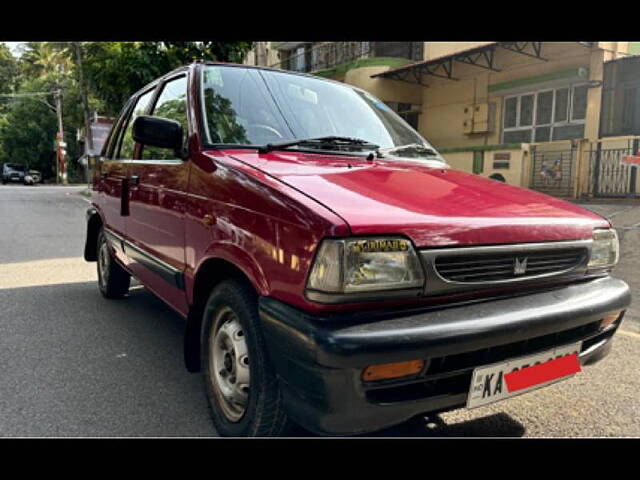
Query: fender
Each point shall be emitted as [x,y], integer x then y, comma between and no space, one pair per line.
[236,256]
[232,260]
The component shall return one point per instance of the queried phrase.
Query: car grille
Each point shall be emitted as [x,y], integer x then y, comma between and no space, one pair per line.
[492,267]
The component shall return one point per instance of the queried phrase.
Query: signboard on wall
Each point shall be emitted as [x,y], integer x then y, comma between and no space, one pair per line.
[631,159]
[501,160]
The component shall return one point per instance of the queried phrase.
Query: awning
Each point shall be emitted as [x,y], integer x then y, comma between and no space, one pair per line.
[482,57]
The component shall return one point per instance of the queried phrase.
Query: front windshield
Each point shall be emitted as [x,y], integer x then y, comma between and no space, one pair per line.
[15,166]
[244,106]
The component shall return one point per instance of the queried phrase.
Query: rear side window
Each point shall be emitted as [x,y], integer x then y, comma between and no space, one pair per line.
[110,145]
[126,143]
[171,104]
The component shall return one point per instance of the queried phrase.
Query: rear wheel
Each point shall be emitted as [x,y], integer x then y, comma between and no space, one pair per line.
[240,382]
[113,280]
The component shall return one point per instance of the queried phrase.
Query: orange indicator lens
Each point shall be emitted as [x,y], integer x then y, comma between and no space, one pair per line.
[392,370]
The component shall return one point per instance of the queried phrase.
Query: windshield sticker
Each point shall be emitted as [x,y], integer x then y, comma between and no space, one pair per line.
[213,77]
[302,93]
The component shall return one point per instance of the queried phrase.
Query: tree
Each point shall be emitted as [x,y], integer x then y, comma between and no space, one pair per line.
[8,70]
[44,58]
[111,72]
[9,74]
[116,70]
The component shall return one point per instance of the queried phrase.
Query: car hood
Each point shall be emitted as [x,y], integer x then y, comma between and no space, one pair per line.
[434,206]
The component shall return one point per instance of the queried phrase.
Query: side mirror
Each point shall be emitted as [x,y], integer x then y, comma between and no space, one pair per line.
[159,132]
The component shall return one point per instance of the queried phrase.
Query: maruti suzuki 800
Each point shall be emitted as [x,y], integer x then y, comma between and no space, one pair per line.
[332,270]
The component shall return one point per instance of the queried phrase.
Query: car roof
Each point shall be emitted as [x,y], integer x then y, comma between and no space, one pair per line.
[185,68]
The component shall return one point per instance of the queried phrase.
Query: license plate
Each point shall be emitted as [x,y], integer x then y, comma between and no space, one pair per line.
[492,383]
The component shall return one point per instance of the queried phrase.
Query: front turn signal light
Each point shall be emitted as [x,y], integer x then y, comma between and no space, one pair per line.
[609,319]
[392,370]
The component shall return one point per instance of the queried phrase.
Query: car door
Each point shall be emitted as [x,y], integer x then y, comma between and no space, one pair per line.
[158,182]
[111,175]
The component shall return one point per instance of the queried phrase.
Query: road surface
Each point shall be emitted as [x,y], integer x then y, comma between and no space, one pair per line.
[75,364]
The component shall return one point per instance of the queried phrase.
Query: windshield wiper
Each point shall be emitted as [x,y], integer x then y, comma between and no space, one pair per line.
[320,143]
[415,147]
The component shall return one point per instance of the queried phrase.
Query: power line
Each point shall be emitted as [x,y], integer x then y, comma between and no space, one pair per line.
[30,94]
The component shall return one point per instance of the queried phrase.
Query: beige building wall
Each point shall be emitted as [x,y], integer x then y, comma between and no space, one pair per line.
[439,49]
[385,89]
[444,101]
[272,55]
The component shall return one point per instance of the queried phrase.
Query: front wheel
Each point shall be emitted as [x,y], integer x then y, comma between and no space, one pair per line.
[240,382]
[113,280]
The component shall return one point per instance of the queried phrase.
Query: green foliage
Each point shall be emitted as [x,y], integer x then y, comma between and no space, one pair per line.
[112,70]
[9,72]
[28,130]
[116,70]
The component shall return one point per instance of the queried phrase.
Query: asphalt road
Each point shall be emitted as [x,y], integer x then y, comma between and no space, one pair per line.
[75,364]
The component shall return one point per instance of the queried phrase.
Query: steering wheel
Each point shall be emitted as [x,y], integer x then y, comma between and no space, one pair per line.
[272,132]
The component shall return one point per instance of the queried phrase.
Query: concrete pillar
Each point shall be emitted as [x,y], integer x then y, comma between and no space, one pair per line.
[594,95]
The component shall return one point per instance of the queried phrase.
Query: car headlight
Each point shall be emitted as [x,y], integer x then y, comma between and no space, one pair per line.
[605,250]
[365,265]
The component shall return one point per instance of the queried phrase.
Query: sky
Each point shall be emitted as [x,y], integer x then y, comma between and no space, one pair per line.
[13,46]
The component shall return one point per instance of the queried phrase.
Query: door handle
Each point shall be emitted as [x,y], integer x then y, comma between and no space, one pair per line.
[124,197]
[134,179]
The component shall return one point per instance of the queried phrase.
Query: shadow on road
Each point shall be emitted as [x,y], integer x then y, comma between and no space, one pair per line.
[93,367]
[496,425]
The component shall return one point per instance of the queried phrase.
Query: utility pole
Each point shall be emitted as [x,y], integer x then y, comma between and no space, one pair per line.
[261,53]
[84,96]
[59,138]
[85,107]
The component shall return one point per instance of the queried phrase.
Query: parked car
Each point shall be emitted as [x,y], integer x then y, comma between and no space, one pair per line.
[13,172]
[32,177]
[333,271]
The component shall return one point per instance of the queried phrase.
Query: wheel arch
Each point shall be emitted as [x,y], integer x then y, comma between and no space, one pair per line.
[210,273]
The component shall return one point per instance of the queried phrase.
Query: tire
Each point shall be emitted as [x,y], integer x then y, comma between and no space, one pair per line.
[113,280]
[231,317]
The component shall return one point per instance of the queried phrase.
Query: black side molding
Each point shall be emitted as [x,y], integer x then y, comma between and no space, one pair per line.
[157,266]
[170,274]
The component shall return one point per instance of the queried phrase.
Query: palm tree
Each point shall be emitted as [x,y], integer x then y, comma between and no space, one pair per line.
[44,58]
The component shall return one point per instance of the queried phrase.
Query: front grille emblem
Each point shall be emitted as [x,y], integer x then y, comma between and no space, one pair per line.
[520,266]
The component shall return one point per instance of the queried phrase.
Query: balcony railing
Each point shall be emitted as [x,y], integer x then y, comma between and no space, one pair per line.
[331,54]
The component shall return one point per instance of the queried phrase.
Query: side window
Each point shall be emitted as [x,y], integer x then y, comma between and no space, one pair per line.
[172,104]
[126,143]
[109,149]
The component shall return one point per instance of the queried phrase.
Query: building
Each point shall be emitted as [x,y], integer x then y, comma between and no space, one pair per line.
[100,128]
[528,113]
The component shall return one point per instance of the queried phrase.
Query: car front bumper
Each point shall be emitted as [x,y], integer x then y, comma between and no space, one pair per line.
[319,361]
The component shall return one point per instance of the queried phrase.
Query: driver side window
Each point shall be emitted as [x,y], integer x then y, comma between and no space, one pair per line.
[171,104]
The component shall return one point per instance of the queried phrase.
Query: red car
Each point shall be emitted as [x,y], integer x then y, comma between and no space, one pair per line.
[332,270]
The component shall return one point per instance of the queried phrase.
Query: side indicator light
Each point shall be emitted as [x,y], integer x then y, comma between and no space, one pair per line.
[609,319]
[392,370]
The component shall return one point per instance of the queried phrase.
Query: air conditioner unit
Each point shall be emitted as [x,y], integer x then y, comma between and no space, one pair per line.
[479,118]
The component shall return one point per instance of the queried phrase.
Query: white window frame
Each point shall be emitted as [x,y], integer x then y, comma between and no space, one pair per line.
[553,124]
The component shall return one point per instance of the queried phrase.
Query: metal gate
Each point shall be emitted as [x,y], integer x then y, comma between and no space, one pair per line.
[552,171]
[609,176]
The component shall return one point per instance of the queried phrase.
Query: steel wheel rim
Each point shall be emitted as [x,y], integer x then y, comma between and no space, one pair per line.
[229,364]
[104,258]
